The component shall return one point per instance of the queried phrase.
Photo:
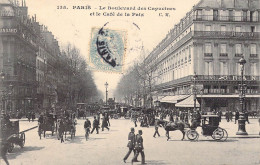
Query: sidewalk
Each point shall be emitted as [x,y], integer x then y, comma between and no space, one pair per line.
[252,128]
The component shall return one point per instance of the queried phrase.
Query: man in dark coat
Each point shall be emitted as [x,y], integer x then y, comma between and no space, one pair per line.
[130,144]
[87,125]
[236,116]
[246,116]
[104,124]
[139,147]
[95,125]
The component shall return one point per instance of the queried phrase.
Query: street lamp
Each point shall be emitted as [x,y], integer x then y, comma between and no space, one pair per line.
[106,84]
[242,89]
[2,75]
[194,90]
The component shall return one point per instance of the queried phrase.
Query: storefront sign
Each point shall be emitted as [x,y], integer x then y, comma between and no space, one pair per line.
[8,30]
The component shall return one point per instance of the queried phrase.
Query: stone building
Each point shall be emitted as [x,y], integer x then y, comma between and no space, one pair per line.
[18,51]
[208,42]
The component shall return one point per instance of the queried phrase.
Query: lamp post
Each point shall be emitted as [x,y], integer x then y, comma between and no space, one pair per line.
[194,90]
[106,84]
[242,89]
[2,75]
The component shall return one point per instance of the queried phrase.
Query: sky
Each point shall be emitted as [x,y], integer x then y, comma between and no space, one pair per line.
[75,26]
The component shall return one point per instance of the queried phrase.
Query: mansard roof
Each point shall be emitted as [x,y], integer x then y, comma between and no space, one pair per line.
[237,4]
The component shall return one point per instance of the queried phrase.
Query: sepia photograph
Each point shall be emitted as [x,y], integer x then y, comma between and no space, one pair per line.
[114,82]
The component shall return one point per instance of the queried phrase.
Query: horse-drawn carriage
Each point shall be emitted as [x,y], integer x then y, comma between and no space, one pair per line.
[10,135]
[64,126]
[210,127]
[48,124]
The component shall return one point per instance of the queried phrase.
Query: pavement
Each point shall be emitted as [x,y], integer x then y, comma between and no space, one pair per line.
[109,147]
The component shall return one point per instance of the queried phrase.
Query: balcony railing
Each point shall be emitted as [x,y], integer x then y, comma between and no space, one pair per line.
[208,54]
[226,34]
[238,55]
[253,55]
[225,18]
[223,54]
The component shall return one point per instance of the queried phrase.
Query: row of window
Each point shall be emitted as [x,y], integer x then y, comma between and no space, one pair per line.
[225,28]
[223,48]
[207,89]
[225,69]
[227,15]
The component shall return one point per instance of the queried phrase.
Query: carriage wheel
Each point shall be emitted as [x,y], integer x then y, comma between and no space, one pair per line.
[10,147]
[192,135]
[218,134]
[225,135]
[22,138]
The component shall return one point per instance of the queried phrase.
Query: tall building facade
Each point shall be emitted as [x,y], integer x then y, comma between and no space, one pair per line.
[208,42]
[28,59]
[18,51]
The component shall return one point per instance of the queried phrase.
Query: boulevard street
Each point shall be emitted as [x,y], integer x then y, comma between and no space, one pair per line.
[109,147]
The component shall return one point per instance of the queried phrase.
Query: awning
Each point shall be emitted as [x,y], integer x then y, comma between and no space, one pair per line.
[173,99]
[158,98]
[188,102]
[227,96]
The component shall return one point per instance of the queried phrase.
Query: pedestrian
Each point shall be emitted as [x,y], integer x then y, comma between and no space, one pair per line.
[230,115]
[246,117]
[156,127]
[236,116]
[107,118]
[87,126]
[104,124]
[95,125]
[4,148]
[29,116]
[130,144]
[33,116]
[135,119]
[219,116]
[227,116]
[139,147]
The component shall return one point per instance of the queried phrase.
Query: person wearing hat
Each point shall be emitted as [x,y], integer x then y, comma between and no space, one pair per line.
[87,126]
[130,144]
[95,125]
[139,147]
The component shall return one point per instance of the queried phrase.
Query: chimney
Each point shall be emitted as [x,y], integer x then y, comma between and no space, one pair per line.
[35,17]
[22,3]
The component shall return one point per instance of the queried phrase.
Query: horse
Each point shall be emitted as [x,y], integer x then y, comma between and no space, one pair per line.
[64,126]
[172,126]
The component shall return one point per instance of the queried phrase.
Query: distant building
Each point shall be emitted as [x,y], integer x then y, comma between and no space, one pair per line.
[209,41]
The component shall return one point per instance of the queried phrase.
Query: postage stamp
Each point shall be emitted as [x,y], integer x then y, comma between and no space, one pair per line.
[107,49]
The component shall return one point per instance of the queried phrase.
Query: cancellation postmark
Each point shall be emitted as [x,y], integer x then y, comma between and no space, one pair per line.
[107,49]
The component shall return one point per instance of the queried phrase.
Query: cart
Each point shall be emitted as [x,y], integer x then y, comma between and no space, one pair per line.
[49,124]
[10,134]
[210,127]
